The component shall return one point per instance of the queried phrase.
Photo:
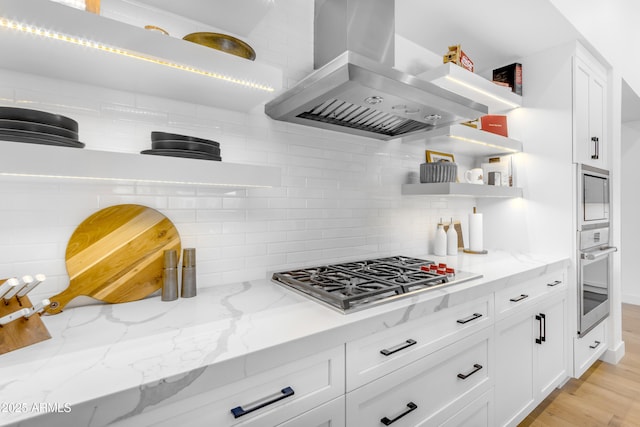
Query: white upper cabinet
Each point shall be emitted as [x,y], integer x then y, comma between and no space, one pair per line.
[47,38]
[590,144]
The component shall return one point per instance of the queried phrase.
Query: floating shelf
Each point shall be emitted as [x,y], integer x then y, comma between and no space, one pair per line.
[61,42]
[24,160]
[470,85]
[461,139]
[460,189]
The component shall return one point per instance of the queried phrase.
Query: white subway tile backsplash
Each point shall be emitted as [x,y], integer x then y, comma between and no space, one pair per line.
[339,199]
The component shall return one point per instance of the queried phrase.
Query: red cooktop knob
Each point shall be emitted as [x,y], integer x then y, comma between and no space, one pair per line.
[424,268]
[433,267]
[450,270]
[442,265]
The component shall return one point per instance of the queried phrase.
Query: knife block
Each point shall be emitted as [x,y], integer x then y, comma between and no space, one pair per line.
[21,332]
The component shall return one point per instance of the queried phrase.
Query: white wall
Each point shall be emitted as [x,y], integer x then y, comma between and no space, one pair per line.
[340,197]
[541,221]
[630,206]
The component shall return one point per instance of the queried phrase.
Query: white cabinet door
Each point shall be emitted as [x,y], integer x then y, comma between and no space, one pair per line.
[478,413]
[589,110]
[514,395]
[551,353]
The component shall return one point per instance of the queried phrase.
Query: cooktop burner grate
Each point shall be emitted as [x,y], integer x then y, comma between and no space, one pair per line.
[354,285]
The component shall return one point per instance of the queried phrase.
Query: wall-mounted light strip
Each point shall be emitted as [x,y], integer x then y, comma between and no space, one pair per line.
[29,29]
[475,141]
[135,180]
[482,92]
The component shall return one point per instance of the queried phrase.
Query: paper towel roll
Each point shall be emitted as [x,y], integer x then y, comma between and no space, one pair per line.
[475,232]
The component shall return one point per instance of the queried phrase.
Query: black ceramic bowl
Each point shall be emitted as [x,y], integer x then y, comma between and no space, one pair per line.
[182,153]
[186,145]
[27,115]
[163,136]
[39,128]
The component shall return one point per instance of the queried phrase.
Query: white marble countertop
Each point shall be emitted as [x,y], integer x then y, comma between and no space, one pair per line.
[133,355]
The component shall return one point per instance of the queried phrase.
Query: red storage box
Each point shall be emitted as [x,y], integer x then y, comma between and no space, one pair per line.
[494,124]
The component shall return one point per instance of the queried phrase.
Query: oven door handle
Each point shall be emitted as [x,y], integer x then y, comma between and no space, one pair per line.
[598,254]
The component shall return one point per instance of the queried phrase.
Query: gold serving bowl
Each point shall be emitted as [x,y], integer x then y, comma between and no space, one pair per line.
[224,43]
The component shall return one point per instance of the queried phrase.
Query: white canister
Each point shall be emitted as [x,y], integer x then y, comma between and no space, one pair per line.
[440,245]
[452,240]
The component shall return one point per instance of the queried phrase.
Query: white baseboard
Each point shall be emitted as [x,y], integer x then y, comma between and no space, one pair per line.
[631,299]
[614,355]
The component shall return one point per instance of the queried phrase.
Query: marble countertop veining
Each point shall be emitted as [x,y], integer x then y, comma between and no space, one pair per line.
[133,355]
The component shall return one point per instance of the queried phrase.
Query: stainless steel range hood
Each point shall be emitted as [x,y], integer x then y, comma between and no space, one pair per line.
[355,88]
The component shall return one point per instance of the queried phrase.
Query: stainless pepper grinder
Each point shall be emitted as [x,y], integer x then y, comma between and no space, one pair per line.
[188,273]
[170,276]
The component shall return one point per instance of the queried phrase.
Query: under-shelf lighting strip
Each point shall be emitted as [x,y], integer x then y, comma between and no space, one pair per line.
[136,180]
[482,91]
[475,141]
[30,29]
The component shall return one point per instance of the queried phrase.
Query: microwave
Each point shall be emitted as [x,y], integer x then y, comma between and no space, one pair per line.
[593,197]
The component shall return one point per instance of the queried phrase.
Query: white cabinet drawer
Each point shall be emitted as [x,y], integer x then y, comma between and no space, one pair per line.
[331,414]
[589,348]
[378,354]
[527,293]
[265,399]
[432,388]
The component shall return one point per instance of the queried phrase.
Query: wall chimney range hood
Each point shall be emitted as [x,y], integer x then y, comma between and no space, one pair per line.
[355,88]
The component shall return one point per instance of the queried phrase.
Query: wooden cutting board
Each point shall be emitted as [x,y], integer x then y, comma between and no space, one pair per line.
[117,255]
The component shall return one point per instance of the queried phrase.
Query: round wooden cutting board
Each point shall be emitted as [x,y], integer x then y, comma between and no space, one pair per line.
[117,255]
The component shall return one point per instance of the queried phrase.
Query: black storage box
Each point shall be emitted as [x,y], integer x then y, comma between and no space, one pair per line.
[510,74]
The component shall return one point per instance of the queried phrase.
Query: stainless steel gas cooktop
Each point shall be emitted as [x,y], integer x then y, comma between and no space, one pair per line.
[356,285]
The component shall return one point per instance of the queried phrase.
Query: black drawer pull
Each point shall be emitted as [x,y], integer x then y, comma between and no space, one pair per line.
[474,316]
[520,298]
[543,328]
[554,283]
[476,369]
[412,407]
[238,411]
[402,346]
[596,344]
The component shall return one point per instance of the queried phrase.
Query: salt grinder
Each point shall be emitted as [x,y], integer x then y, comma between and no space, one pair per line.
[170,276]
[188,273]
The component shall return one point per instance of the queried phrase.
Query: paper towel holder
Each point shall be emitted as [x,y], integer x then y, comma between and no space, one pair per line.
[469,251]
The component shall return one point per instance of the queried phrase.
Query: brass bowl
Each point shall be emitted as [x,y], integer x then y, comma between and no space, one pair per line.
[157,29]
[224,43]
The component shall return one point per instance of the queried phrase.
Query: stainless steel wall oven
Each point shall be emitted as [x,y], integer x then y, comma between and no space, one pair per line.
[595,254]
[594,277]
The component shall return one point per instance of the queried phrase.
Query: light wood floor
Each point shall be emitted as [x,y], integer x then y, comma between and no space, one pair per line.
[606,395]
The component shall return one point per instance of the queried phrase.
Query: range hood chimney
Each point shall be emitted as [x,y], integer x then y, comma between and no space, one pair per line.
[355,88]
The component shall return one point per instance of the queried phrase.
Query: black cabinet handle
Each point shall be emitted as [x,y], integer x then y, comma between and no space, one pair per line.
[476,368]
[543,328]
[412,407]
[402,346]
[474,316]
[596,344]
[520,298]
[596,148]
[554,283]
[239,411]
